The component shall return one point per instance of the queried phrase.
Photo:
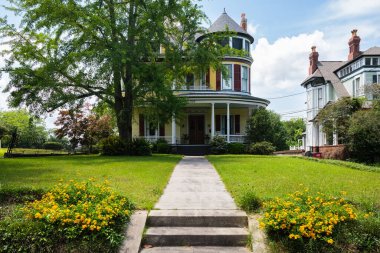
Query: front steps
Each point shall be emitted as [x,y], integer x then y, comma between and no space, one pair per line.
[196,231]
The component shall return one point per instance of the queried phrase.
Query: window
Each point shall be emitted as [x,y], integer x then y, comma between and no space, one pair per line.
[224,42]
[367,61]
[247,45]
[234,125]
[237,43]
[244,78]
[320,98]
[375,61]
[189,80]
[374,79]
[227,80]
[356,87]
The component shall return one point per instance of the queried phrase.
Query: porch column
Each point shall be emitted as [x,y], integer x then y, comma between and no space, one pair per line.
[228,122]
[212,120]
[174,130]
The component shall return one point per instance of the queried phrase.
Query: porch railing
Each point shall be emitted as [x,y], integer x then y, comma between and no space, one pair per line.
[235,138]
[155,138]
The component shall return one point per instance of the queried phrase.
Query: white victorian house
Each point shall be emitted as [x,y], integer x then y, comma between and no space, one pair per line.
[330,80]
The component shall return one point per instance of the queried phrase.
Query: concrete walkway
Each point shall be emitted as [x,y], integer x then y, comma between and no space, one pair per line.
[194,185]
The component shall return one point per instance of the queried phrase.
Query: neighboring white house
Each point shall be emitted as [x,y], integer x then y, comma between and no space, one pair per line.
[330,80]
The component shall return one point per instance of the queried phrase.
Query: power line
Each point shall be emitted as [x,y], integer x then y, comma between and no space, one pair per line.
[292,112]
[291,95]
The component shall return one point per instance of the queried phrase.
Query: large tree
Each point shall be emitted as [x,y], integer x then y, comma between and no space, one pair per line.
[70,50]
[265,125]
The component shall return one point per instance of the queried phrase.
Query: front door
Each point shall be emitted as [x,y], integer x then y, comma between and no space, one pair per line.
[196,129]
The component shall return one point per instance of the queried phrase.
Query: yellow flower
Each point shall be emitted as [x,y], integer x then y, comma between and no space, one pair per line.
[38,216]
[330,241]
[84,227]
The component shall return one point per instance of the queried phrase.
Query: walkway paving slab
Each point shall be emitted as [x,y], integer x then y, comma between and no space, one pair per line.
[195,184]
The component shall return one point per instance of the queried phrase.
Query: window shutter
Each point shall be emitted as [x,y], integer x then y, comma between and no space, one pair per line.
[237,124]
[249,80]
[237,77]
[218,75]
[217,123]
[162,130]
[141,125]
[208,77]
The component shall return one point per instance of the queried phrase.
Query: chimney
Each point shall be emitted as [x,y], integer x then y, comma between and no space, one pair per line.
[313,57]
[243,22]
[354,45]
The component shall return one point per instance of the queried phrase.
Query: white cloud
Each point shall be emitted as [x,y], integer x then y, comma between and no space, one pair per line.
[352,8]
[280,67]
[252,29]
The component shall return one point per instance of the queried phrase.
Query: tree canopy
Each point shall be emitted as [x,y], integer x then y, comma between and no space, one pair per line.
[31,131]
[68,51]
[335,117]
[294,130]
[265,125]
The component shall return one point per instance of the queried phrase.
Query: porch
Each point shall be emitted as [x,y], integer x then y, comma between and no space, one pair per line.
[208,114]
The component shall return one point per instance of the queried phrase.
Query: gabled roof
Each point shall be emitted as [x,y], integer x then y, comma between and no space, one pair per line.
[325,70]
[223,22]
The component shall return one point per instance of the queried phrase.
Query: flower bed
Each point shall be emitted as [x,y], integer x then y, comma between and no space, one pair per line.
[76,215]
[303,215]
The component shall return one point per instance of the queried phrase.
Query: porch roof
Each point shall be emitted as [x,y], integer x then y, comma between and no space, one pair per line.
[224,97]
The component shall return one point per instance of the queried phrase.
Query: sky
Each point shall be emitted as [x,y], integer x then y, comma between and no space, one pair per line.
[284,32]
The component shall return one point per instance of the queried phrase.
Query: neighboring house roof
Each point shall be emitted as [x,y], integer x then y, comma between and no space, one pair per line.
[224,22]
[371,51]
[325,70]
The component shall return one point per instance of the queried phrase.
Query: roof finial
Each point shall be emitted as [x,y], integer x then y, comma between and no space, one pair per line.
[224,11]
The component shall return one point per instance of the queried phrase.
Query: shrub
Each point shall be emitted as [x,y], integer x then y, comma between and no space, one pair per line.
[163,148]
[140,147]
[218,145]
[52,145]
[74,213]
[304,216]
[262,148]
[236,148]
[249,201]
[364,136]
[113,146]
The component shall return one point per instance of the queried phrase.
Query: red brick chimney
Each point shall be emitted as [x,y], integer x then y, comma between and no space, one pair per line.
[243,22]
[354,45]
[313,57]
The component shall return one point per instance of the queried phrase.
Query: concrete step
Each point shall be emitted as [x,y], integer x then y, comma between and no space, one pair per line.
[196,250]
[196,236]
[197,218]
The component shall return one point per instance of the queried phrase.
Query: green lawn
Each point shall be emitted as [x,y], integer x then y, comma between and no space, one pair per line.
[273,176]
[142,179]
[2,151]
